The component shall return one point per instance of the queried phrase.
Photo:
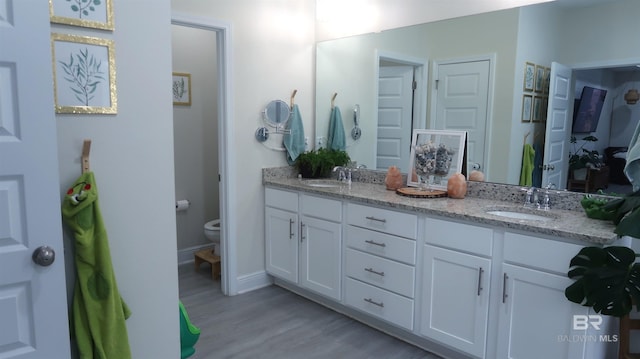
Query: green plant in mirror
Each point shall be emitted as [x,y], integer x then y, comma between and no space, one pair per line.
[581,157]
[320,163]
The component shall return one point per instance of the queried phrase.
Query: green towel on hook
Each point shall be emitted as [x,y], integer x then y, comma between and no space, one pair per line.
[99,313]
[294,140]
[526,174]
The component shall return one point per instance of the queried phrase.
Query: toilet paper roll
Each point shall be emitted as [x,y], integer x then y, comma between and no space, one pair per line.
[182,205]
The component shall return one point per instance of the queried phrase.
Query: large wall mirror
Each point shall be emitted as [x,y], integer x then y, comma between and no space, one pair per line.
[467,74]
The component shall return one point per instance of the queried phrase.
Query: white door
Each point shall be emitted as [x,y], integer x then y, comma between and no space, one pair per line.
[456,299]
[462,97]
[282,243]
[395,114]
[535,318]
[33,302]
[320,256]
[559,115]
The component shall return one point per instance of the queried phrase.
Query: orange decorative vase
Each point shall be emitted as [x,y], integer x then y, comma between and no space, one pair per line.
[393,181]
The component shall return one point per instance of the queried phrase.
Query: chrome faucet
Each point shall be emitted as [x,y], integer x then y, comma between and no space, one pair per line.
[342,177]
[546,200]
[531,197]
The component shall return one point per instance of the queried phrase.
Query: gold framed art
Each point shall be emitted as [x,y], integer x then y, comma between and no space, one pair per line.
[529,76]
[527,108]
[96,14]
[84,74]
[181,89]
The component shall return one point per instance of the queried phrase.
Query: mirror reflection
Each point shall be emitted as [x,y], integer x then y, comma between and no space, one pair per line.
[276,113]
[467,74]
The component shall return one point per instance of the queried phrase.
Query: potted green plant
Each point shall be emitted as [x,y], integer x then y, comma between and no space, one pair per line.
[581,159]
[608,279]
[320,163]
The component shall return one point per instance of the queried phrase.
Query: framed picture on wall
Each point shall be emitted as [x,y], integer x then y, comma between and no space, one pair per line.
[529,73]
[547,80]
[537,109]
[181,88]
[539,79]
[84,74]
[527,102]
[96,14]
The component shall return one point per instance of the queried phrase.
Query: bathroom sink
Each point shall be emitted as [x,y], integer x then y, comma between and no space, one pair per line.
[323,183]
[519,215]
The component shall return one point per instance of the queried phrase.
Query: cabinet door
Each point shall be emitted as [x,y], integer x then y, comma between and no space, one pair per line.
[281,240]
[320,256]
[536,318]
[455,299]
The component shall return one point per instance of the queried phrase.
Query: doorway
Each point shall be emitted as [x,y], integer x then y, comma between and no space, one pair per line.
[224,129]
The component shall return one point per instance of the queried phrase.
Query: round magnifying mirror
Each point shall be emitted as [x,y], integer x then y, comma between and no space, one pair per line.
[277,113]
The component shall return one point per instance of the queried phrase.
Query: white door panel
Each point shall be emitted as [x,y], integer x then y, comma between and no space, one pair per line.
[395,103]
[558,129]
[33,305]
[462,95]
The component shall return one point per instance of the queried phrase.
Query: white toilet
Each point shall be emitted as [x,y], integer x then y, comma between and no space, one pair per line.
[212,232]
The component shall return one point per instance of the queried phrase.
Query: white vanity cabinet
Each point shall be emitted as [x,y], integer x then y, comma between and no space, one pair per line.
[380,258]
[281,234]
[535,318]
[320,248]
[455,285]
[304,240]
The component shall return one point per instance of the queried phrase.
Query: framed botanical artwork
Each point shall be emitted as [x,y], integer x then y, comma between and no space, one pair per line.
[181,88]
[84,74]
[435,156]
[539,78]
[527,103]
[537,109]
[96,14]
[547,80]
[529,76]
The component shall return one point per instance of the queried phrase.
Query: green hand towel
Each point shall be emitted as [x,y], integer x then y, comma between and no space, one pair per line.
[526,174]
[99,313]
[294,141]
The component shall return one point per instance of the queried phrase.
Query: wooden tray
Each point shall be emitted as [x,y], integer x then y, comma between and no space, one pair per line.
[419,193]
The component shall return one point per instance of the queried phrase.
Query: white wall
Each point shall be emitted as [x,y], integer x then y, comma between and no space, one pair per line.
[272,54]
[624,117]
[196,134]
[337,18]
[132,158]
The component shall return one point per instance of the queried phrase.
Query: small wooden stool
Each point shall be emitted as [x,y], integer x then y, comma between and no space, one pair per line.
[206,255]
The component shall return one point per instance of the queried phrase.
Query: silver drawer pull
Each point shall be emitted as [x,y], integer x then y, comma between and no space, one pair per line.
[291,221]
[375,243]
[371,270]
[369,300]
[504,287]
[480,270]
[376,219]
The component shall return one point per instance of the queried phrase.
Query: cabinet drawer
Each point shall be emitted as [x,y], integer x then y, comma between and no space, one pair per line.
[380,303]
[545,254]
[383,273]
[281,199]
[459,236]
[324,208]
[378,219]
[384,245]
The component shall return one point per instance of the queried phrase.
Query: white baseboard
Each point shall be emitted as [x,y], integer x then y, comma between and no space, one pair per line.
[253,281]
[186,255]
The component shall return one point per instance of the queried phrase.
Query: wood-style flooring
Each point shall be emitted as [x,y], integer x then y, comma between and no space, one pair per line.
[274,323]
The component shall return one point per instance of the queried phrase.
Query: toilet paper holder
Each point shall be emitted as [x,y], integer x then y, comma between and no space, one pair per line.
[182,205]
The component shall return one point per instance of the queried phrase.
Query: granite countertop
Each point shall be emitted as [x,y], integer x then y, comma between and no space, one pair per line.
[568,224]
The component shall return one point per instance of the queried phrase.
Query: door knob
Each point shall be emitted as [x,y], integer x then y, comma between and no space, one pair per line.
[44,256]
